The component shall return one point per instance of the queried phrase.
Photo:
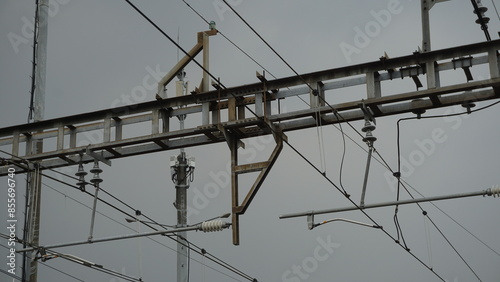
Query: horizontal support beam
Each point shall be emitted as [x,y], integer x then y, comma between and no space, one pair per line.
[128,236]
[254,167]
[213,96]
[91,126]
[488,192]
[196,137]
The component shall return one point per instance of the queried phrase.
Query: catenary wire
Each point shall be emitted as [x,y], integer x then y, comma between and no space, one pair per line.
[337,115]
[386,165]
[172,237]
[399,168]
[298,96]
[99,268]
[237,47]
[11,275]
[130,228]
[220,262]
[426,214]
[293,148]
[53,268]
[437,228]
[496,10]
[141,13]
[212,257]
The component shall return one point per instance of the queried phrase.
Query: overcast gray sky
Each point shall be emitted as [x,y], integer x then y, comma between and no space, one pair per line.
[98,51]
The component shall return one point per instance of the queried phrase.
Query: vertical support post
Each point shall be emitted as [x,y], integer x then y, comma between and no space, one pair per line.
[493,62]
[107,129]
[231,108]
[373,88]
[206,62]
[118,128]
[205,119]
[313,99]
[15,143]
[181,204]
[29,143]
[241,112]
[34,219]
[433,80]
[259,106]
[39,109]
[165,116]
[155,122]
[215,116]
[72,136]
[233,146]
[60,137]
[426,28]
[205,113]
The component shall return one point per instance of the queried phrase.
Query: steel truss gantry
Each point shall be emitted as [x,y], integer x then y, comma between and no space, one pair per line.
[223,116]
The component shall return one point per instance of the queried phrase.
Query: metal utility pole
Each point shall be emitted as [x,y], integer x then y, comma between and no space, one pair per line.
[182,171]
[181,204]
[35,177]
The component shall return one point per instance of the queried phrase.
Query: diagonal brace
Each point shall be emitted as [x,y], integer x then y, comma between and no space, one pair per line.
[263,167]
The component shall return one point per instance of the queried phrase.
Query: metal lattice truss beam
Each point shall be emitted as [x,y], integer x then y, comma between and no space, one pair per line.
[222,113]
[107,126]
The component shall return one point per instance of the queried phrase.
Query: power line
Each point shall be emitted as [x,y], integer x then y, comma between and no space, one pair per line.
[71,258]
[398,175]
[53,268]
[219,261]
[229,40]
[405,183]
[425,213]
[245,53]
[204,252]
[496,10]
[10,274]
[292,147]
[130,228]
[338,116]
[454,220]
[212,257]
[335,112]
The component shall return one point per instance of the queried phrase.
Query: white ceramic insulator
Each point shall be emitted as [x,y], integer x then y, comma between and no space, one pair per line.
[212,225]
[495,191]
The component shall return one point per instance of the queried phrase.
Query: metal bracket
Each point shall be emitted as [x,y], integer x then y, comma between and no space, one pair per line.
[367,112]
[464,63]
[310,222]
[236,169]
[413,72]
[229,136]
[97,156]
